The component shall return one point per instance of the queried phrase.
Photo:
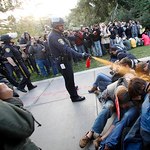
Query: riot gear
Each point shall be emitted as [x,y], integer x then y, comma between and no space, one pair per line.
[56,21]
[5,38]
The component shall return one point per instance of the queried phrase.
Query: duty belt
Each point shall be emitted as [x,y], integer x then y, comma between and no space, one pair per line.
[61,59]
[20,61]
[5,62]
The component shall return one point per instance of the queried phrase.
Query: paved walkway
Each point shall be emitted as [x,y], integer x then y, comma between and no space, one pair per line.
[63,123]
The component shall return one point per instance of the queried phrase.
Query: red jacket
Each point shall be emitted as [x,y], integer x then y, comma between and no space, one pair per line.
[77,40]
[146,39]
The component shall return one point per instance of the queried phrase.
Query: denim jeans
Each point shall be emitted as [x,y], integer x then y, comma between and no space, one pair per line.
[81,49]
[97,47]
[42,64]
[128,119]
[113,59]
[112,41]
[134,35]
[102,81]
[103,116]
[75,59]
[52,64]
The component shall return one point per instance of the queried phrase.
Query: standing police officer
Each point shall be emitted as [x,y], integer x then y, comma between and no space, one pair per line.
[14,58]
[63,55]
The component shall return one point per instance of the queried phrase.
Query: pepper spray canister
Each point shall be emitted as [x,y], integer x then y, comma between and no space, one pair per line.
[88,62]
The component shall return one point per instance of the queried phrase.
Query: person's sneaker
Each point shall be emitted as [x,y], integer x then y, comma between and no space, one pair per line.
[96,142]
[92,90]
[97,92]
[22,90]
[84,141]
[78,99]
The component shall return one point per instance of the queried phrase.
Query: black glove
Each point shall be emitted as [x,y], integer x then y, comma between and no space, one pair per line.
[85,56]
[16,68]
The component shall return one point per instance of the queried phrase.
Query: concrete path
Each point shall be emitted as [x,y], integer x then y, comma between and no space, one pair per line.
[63,123]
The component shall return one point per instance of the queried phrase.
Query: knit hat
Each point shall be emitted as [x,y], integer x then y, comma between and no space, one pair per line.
[122,94]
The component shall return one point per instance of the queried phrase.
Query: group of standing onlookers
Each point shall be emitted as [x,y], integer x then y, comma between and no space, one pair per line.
[38,53]
[98,39]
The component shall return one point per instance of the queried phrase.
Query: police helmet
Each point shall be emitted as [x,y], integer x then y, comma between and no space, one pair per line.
[5,38]
[56,21]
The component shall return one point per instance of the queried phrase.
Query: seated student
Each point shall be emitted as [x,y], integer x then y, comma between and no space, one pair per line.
[139,134]
[119,54]
[107,98]
[124,104]
[133,42]
[103,80]
[17,124]
[143,70]
[137,89]
[146,39]
[127,44]
[113,54]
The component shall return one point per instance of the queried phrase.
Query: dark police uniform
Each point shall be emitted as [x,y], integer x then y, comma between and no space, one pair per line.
[4,72]
[63,54]
[10,51]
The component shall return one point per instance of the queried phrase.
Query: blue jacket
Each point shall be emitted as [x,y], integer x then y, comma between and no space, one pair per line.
[139,134]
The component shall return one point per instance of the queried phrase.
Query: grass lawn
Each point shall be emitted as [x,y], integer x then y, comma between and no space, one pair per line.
[139,52]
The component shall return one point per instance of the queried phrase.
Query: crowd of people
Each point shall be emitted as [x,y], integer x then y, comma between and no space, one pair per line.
[98,39]
[95,41]
[127,86]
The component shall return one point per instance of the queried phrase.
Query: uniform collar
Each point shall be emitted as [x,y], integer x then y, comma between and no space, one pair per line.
[57,32]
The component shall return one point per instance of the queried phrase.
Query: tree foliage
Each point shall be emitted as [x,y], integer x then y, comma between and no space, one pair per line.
[89,12]
[28,24]
[6,5]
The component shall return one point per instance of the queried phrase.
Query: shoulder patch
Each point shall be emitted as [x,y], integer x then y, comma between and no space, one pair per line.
[61,41]
[7,50]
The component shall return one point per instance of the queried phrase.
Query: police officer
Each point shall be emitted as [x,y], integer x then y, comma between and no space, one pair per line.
[63,55]
[14,58]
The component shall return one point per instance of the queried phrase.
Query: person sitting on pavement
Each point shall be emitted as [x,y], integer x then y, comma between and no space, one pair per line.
[103,80]
[139,134]
[143,70]
[124,100]
[137,88]
[107,98]
[119,54]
